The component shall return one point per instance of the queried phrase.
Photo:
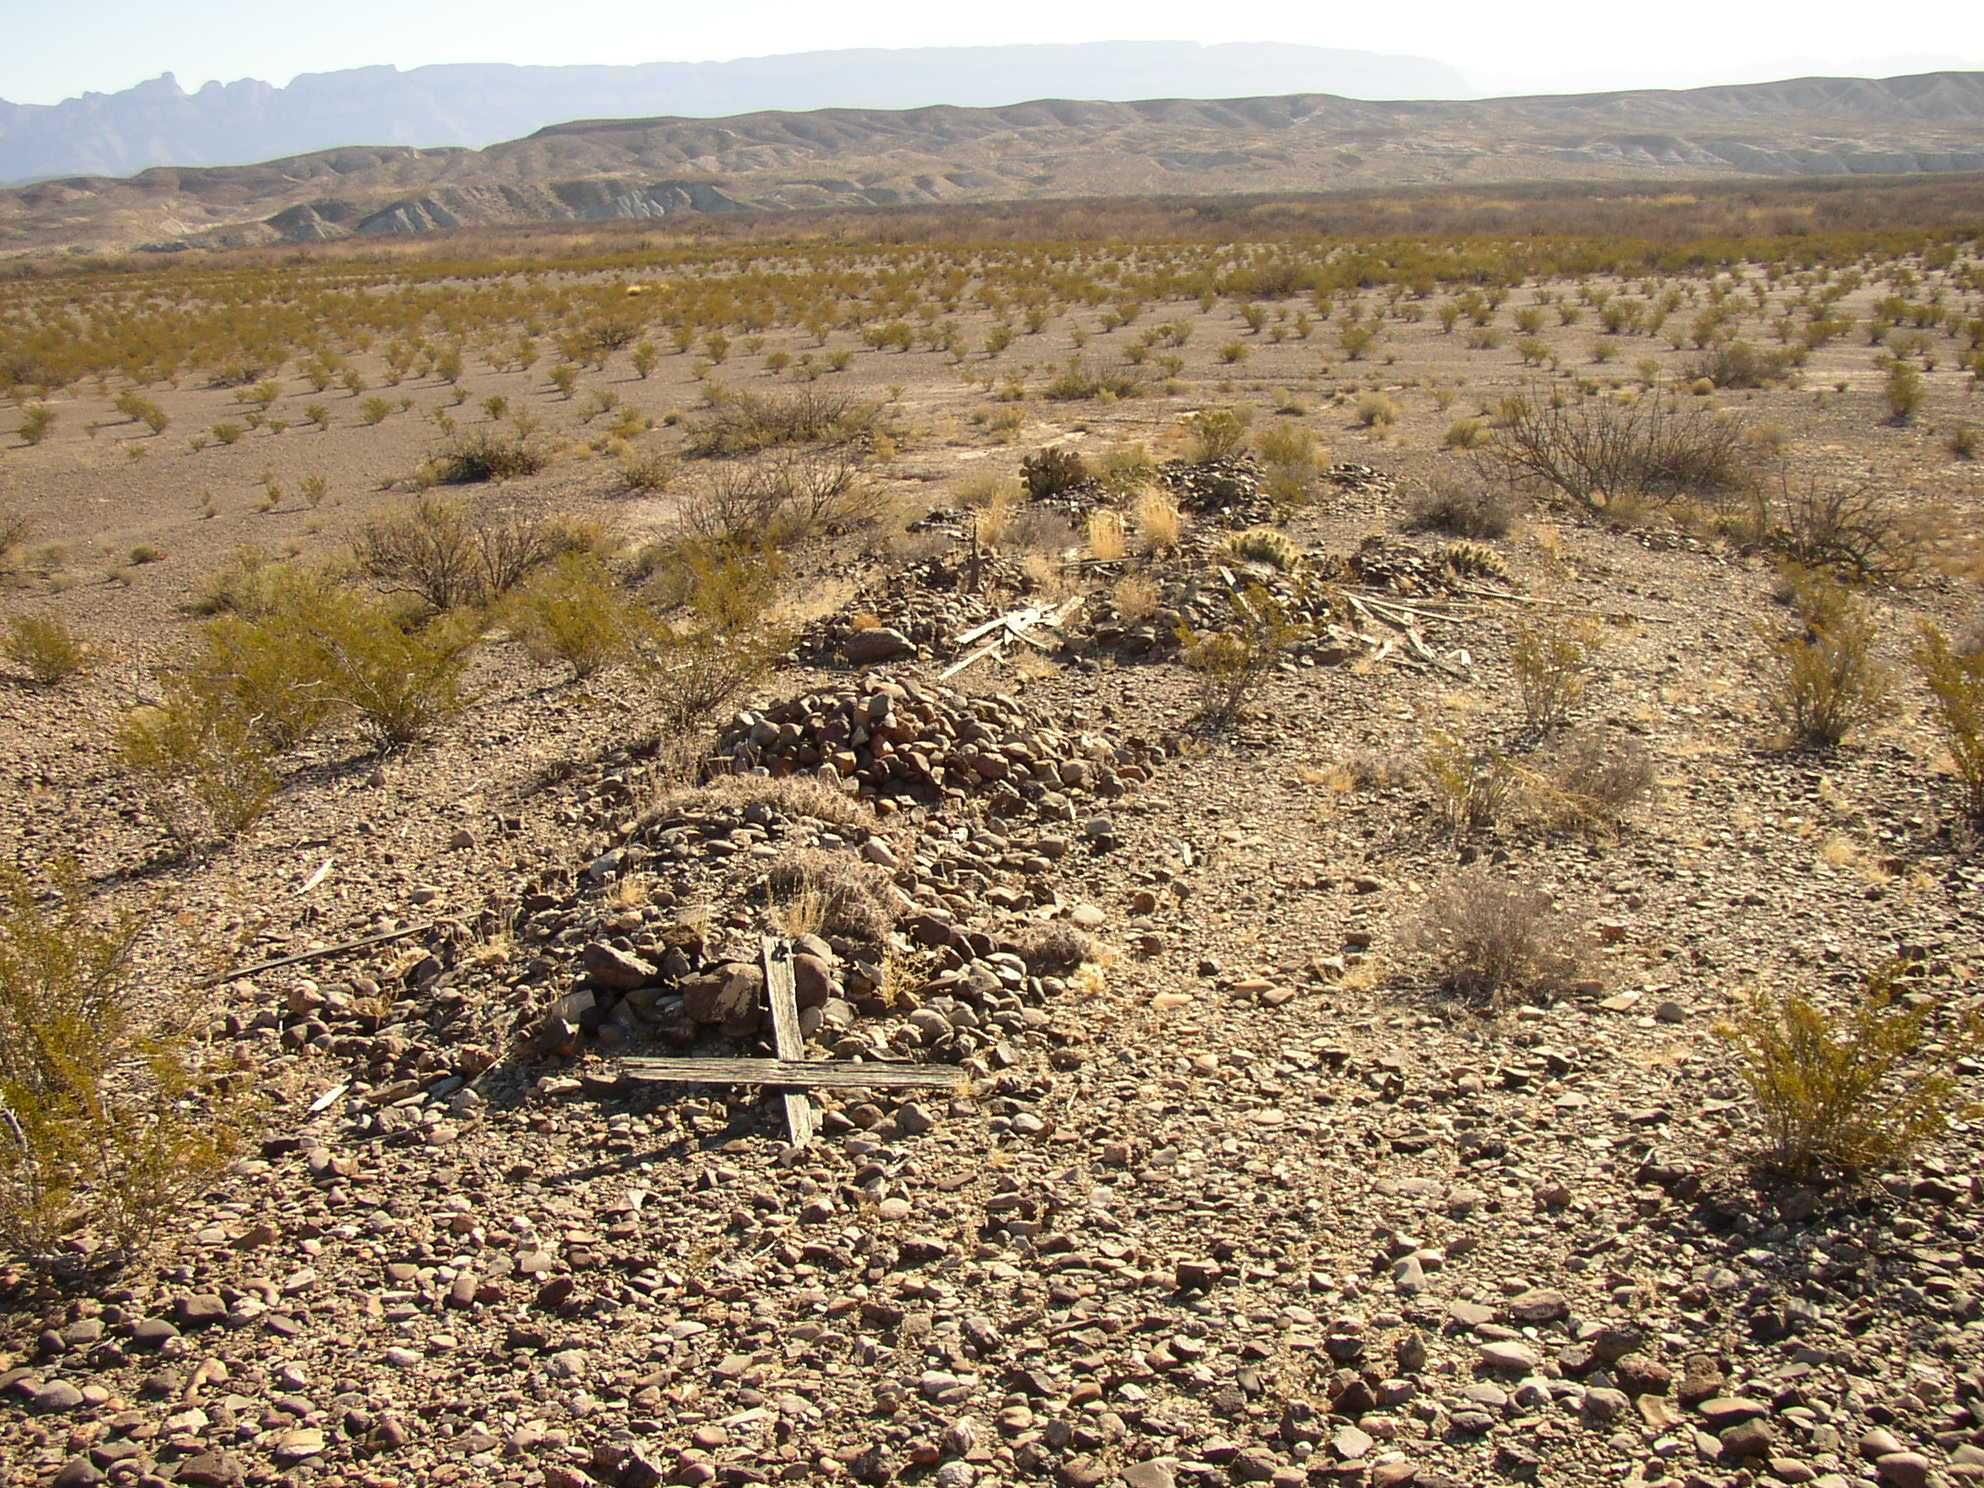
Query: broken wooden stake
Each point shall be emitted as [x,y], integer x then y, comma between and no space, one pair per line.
[787,1042]
[317,955]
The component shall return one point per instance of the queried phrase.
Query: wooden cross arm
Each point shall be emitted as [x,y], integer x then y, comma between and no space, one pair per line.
[795,1074]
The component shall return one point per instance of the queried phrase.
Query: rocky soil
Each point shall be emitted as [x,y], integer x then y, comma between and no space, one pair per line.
[1225,1194]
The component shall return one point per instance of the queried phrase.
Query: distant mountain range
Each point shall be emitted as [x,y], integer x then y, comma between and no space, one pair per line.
[158,123]
[661,168]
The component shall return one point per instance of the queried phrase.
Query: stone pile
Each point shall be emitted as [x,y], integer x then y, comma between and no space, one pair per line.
[1200,599]
[900,742]
[1225,491]
[1383,562]
[921,611]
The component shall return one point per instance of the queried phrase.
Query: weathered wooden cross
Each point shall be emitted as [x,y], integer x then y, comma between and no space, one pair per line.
[790,1071]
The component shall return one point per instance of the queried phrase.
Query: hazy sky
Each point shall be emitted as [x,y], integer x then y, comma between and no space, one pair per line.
[54,51]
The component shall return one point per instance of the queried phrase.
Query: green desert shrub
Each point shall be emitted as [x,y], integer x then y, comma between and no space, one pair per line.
[1218,434]
[112,1115]
[1955,680]
[1822,678]
[573,613]
[1233,665]
[45,649]
[1552,665]
[196,760]
[1847,1091]
[479,455]
[1904,392]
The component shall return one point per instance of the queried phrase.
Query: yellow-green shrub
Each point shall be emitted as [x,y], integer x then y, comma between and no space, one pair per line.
[112,1119]
[1849,1090]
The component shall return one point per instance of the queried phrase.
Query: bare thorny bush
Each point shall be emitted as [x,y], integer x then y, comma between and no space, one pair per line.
[741,422]
[112,1115]
[1851,530]
[1599,451]
[1490,937]
[779,496]
[452,554]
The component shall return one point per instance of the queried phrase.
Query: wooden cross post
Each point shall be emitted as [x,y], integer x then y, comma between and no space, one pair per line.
[791,1072]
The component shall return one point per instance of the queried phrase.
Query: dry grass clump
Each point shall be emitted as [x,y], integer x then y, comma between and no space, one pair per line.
[1822,679]
[113,1119]
[45,649]
[1107,542]
[1490,937]
[1376,410]
[1056,946]
[1159,523]
[1589,782]
[1458,508]
[1080,380]
[845,895]
[1955,679]
[1848,1091]
[649,471]
[1135,598]
[801,797]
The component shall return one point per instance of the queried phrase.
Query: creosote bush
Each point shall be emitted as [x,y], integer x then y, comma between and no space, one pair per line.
[1956,689]
[1848,1091]
[574,613]
[1472,786]
[1234,664]
[1490,937]
[111,1118]
[479,455]
[45,649]
[204,774]
[1552,665]
[1822,679]
[1218,434]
